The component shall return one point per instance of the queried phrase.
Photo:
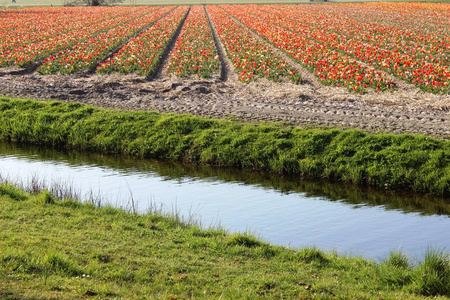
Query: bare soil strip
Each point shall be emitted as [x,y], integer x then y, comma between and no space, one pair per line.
[262,100]
[158,71]
[224,69]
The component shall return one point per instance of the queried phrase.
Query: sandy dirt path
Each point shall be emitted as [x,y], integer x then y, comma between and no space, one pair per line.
[302,105]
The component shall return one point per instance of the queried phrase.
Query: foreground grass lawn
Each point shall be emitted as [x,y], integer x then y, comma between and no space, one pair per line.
[63,249]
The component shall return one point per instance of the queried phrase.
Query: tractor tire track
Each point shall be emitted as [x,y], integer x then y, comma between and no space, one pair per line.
[158,73]
[227,71]
[225,64]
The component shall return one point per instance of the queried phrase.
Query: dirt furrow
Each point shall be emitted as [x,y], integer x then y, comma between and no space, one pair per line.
[227,71]
[169,47]
[225,65]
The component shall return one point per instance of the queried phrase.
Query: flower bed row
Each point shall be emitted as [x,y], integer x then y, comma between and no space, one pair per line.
[251,58]
[142,54]
[194,52]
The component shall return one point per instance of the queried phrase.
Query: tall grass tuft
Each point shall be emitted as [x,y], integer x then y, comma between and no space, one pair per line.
[434,274]
[312,255]
[244,240]
[395,270]
[13,192]
[399,260]
[62,265]
[46,198]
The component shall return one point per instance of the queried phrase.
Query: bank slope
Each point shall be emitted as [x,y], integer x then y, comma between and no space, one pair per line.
[62,249]
[385,161]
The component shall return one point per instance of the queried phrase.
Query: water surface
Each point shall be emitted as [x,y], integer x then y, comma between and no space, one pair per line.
[280,210]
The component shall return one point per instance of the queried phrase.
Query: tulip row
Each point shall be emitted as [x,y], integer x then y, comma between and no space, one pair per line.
[86,55]
[251,58]
[142,54]
[194,52]
[29,53]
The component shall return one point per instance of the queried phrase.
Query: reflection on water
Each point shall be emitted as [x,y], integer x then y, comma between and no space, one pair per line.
[286,211]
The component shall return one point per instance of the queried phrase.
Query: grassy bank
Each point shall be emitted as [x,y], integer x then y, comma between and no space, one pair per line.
[62,249]
[385,161]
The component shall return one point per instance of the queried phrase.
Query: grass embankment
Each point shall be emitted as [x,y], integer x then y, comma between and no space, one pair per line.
[62,249]
[385,161]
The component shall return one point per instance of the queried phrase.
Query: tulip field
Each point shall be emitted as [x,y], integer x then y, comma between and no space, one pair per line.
[359,46]
[53,30]
[251,58]
[86,53]
[142,54]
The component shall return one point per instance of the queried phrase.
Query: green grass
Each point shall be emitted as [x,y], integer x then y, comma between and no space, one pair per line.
[384,161]
[62,249]
[20,3]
